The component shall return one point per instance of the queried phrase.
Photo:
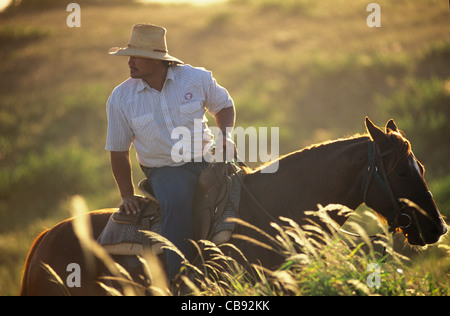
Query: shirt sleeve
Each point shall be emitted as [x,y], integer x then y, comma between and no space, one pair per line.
[119,136]
[217,97]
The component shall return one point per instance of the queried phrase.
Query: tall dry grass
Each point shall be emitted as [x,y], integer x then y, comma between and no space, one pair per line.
[317,261]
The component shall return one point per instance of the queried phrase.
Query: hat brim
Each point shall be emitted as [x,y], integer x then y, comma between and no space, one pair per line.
[142,52]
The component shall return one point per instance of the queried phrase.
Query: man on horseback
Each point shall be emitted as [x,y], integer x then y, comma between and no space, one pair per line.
[162,94]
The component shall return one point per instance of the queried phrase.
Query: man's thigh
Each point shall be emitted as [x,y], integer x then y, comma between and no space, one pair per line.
[176,185]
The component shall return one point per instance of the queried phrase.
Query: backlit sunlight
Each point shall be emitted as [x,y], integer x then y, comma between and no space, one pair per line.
[194,2]
[4,4]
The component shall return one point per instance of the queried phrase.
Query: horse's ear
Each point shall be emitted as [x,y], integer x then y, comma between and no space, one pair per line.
[391,126]
[376,134]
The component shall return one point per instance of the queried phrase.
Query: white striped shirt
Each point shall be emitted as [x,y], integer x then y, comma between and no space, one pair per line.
[143,116]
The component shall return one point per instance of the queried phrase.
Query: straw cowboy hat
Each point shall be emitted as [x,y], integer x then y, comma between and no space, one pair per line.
[148,41]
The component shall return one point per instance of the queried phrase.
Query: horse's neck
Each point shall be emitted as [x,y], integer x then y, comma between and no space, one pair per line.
[327,174]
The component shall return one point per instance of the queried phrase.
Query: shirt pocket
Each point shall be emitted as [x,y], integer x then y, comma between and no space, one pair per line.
[145,127]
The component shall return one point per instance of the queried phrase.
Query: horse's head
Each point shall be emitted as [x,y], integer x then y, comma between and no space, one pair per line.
[395,187]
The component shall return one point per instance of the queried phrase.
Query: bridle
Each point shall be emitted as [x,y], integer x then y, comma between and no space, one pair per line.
[376,170]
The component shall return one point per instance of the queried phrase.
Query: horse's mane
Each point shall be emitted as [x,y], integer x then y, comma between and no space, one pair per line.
[293,156]
[401,147]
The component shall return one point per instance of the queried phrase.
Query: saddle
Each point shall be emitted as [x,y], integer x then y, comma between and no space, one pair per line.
[217,198]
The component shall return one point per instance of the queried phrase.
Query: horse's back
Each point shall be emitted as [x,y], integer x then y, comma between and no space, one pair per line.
[59,247]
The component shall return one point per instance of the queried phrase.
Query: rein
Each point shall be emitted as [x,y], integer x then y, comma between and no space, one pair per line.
[235,170]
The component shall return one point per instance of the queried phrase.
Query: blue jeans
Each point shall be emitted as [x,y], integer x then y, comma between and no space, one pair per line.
[174,188]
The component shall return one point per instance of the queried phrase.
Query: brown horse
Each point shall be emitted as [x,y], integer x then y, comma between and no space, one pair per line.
[378,169]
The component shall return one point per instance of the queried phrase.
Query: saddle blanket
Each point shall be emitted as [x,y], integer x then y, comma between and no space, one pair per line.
[125,238]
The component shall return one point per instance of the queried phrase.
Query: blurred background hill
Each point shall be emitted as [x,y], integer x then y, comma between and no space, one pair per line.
[312,68]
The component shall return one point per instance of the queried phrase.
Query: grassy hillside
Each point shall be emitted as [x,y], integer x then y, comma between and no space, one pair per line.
[313,68]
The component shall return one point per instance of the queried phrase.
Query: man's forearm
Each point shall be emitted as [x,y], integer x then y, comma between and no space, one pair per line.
[121,168]
[226,119]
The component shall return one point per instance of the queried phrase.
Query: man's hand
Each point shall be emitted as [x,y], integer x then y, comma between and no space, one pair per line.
[132,204]
[229,149]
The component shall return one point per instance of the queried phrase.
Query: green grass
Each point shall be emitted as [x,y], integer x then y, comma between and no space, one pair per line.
[312,68]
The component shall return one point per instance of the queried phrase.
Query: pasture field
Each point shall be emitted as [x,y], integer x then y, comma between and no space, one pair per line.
[313,68]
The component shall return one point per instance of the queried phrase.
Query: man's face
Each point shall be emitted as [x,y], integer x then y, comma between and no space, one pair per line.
[141,68]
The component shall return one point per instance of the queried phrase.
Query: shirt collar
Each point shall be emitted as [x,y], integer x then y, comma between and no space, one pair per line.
[170,74]
[142,84]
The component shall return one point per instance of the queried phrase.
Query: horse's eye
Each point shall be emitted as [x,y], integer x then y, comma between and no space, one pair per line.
[402,171]
[402,174]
